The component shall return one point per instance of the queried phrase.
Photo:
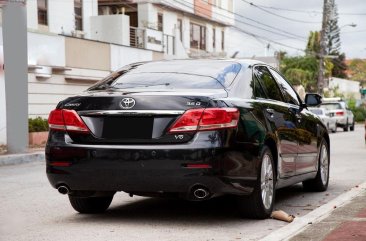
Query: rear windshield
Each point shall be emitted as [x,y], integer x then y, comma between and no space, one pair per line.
[317,111]
[196,74]
[331,106]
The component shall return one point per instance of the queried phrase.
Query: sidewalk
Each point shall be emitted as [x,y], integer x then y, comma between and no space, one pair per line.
[347,222]
[32,155]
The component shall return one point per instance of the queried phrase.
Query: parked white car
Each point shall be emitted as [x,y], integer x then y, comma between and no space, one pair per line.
[339,109]
[326,117]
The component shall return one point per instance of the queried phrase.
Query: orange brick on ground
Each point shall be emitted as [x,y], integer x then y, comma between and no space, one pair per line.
[348,231]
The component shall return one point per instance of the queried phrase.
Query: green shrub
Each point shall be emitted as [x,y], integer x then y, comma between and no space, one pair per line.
[37,124]
[359,113]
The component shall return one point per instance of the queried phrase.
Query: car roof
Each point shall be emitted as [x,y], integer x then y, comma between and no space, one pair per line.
[240,61]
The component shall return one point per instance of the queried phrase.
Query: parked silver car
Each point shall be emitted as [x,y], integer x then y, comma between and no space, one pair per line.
[326,117]
[341,112]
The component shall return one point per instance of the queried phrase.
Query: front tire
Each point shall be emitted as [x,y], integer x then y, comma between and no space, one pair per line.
[90,204]
[320,182]
[259,204]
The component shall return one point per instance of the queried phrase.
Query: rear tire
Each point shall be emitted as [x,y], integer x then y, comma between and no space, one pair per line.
[90,204]
[259,204]
[320,182]
[352,127]
[345,128]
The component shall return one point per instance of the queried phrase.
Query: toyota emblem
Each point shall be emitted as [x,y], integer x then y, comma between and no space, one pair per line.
[127,103]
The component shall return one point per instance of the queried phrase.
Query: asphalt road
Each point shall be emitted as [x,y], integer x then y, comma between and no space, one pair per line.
[31,210]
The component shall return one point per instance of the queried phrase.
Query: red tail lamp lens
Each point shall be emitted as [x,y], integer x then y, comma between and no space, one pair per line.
[188,121]
[206,119]
[69,120]
[339,113]
[217,118]
[56,120]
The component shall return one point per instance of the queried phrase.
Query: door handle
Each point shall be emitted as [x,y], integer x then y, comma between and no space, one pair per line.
[270,111]
[298,117]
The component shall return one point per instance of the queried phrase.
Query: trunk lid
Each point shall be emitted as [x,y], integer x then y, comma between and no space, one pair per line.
[136,117]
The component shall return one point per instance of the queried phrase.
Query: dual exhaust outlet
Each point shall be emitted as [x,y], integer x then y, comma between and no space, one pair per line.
[199,193]
[63,189]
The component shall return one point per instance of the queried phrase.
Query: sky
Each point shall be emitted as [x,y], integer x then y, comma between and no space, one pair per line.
[306,18]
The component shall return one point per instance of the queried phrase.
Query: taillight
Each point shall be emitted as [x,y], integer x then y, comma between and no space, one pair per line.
[339,113]
[69,120]
[206,119]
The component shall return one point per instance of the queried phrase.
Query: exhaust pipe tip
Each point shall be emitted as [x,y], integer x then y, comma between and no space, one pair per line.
[63,190]
[200,193]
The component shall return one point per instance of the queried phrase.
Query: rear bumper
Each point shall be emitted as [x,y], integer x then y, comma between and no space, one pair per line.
[152,169]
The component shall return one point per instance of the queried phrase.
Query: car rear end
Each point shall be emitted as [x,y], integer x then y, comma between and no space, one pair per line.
[146,141]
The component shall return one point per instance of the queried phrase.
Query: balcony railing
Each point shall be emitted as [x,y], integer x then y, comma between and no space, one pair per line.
[137,37]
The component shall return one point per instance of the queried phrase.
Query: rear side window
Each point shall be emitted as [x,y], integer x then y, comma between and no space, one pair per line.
[268,83]
[290,94]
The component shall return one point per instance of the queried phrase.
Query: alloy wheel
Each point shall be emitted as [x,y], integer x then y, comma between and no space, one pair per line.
[267,181]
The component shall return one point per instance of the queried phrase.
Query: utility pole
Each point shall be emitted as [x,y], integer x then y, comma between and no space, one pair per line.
[323,46]
[14,24]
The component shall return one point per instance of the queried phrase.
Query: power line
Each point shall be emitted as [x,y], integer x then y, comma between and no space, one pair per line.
[253,20]
[277,15]
[246,23]
[303,11]
[244,31]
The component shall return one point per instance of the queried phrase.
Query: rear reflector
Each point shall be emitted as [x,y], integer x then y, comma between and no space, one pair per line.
[198,166]
[60,164]
[61,119]
[206,119]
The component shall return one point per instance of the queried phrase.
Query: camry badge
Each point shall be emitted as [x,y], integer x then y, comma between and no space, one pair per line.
[127,103]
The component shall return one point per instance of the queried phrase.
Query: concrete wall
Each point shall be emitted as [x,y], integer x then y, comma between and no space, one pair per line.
[61,16]
[90,8]
[147,15]
[43,95]
[111,28]
[46,49]
[121,56]
[32,16]
[349,87]
[87,54]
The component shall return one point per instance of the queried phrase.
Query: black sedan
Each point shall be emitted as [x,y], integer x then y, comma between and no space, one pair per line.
[192,129]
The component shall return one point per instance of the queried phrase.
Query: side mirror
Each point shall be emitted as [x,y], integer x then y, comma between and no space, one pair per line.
[313,99]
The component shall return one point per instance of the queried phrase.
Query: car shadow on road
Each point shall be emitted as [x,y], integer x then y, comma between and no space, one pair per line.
[170,211]
[166,210]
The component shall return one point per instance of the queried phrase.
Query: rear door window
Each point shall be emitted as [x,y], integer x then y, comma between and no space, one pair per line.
[268,83]
[289,92]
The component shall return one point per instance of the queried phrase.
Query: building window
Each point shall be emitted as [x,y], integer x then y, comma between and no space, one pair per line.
[198,36]
[42,12]
[214,38]
[160,22]
[78,10]
[222,40]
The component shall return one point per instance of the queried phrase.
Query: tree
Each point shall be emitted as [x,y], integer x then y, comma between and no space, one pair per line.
[333,39]
[357,70]
[301,70]
[332,31]
[313,45]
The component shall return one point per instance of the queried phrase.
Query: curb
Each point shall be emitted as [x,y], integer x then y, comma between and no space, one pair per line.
[300,224]
[15,159]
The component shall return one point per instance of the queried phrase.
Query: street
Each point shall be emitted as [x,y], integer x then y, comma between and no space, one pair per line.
[32,210]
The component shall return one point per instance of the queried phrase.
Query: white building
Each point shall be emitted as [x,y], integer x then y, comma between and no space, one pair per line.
[350,88]
[73,43]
